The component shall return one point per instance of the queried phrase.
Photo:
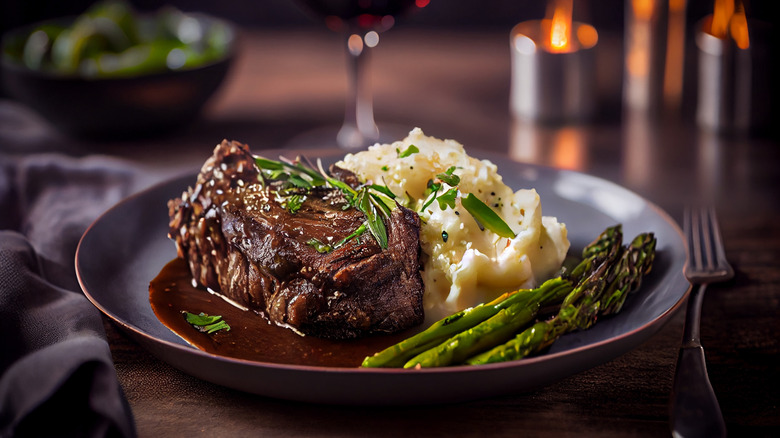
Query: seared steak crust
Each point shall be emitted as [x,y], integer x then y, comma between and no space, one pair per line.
[239,238]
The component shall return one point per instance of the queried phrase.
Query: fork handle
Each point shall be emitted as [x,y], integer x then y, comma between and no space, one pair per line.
[694,409]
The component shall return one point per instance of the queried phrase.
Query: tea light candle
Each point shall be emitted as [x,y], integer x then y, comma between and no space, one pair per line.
[553,76]
[725,71]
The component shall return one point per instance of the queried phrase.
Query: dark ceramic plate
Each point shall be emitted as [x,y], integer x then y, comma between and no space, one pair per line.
[126,248]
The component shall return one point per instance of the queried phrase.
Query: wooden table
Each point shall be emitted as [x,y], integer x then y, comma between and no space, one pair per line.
[456,85]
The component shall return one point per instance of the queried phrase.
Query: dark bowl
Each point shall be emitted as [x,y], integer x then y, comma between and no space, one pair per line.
[116,107]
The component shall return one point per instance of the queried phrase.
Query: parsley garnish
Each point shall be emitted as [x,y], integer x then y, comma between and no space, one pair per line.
[206,323]
[482,214]
[411,150]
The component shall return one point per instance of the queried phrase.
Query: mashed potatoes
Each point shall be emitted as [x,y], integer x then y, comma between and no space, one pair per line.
[465,265]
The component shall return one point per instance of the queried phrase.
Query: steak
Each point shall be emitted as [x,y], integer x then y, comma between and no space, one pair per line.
[241,238]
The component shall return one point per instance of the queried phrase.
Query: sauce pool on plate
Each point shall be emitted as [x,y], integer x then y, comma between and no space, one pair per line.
[251,336]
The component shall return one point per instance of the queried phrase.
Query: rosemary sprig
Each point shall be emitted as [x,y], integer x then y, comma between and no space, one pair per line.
[374,201]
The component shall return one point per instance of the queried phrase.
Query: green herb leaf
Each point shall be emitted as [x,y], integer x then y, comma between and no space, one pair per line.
[348,191]
[383,189]
[369,199]
[298,181]
[430,193]
[296,173]
[264,163]
[206,323]
[294,203]
[322,248]
[411,150]
[447,199]
[485,216]
[449,178]
[358,231]
[374,221]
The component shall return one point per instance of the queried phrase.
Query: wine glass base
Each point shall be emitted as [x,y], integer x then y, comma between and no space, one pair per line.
[325,137]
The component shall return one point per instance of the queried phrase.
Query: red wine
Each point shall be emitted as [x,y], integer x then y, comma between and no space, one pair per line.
[364,14]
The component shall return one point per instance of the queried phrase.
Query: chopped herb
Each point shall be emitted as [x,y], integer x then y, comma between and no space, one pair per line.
[449,178]
[374,201]
[322,248]
[447,199]
[485,216]
[358,231]
[444,236]
[385,168]
[294,203]
[411,150]
[206,323]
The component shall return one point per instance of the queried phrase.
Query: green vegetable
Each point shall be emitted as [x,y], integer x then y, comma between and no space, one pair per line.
[294,202]
[374,201]
[411,150]
[596,286]
[368,205]
[596,296]
[206,323]
[440,331]
[110,39]
[495,330]
[486,217]
[322,248]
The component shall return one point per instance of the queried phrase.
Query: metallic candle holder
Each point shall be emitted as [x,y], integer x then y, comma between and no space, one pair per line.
[645,52]
[552,86]
[725,82]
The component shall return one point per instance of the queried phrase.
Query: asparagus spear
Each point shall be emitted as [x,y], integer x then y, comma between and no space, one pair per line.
[597,296]
[396,355]
[493,331]
[607,243]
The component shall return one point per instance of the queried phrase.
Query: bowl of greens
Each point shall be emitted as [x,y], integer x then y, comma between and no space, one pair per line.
[112,71]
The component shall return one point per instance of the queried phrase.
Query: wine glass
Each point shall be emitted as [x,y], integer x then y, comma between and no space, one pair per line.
[360,21]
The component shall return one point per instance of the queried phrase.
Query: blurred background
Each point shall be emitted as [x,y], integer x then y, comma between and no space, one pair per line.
[467,17]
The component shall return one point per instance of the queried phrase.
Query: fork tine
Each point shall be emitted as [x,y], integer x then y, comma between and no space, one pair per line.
[706,256]
[710,258]
[719,253]
[692,232]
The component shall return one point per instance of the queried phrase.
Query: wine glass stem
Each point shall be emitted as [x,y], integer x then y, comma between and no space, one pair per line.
[359,128]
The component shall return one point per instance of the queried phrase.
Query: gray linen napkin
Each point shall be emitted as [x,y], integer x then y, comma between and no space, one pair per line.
[57,376]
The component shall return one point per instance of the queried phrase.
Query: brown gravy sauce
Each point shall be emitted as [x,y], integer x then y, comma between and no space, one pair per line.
[251,335]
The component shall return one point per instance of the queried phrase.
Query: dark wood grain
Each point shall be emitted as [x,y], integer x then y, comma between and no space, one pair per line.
[456,85]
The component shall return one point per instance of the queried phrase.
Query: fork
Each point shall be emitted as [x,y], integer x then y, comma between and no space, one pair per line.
[694,409]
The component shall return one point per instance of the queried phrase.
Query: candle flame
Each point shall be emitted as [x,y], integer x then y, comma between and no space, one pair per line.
[728,19]
[560,26]
[721,16]
[739,28]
